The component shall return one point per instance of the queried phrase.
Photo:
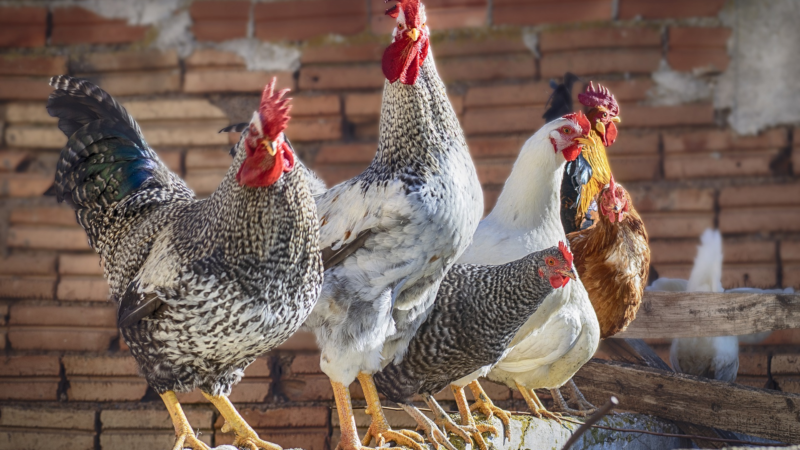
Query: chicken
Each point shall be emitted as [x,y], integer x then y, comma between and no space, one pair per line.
[612,259]
[477,312]
[202,286]
[563,333]
[391,233]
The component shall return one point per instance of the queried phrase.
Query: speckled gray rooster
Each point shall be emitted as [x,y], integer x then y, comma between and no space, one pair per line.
[401,223]
[202,286]
[477,312]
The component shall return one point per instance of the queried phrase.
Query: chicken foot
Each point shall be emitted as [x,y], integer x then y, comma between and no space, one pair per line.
[584,407]
[536,406]
[246,437]
[469,422]
[349,439]
[435,435]
[183,431]
[443,420]
[484,404]
[379,429]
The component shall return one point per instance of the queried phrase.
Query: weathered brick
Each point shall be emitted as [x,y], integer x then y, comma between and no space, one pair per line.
[300,341]
[184,109]
[515,12]
[630,90]
[29,366]
[233,80]
[761,275]
[396,418]
[343,53]
[207,159]
[788,384]
[307,439]
[790,250]
[219,30]
[219,21]
[493,171]
[315,105]
[485,68]
[24,184]
[307,388]
[106,389]
[204,182]
[345,153]
[635,167]
[137,83]
[668,116]
[152,419]
[38,389]
[200,132]
[61,338]
[138,440]
[713,60]
[782,337]
[351,76]
[47,238]
[82,288]
[698,37]
[677,224]
[28,264]
[57,215]
[785,364]
[32,65]
[305,363]
[10,160]
[530,93]
[753,364]
[752,381]
[599,62]
[289,417]
[38,417]
[290,20]
[591,38]
[109,366]
[79,264]
[454,17]
[676,9]
[76,25]
[24,88]
[86,316]
[124,61]
[41,287]
[253,390]
[525,119]
[674,271]
[758,220]
[23,27]
[205,57]
[673,251]
[362,104]
[496,146]
[480,45]
[707,140]
[50,439]
[729,164]
[315,129]
[27,112]
[259,368]
[760,195]
[735,251]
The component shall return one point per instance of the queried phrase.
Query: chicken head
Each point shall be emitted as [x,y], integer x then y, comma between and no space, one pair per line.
[614,201]
[410,42]
[569,133]
[603,113]
[556,266]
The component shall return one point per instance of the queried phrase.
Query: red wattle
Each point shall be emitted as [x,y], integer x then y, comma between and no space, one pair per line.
[258,171]
[611,134]
[403,58]
[557,281]
[572,152]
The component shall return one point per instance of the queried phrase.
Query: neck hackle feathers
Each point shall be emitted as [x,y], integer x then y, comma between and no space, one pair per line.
[274,110]
[600,96]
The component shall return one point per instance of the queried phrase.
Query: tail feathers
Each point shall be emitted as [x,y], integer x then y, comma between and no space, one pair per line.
[560,102]
[707,270]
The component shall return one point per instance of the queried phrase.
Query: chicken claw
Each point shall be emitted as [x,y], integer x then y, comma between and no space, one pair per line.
[435,435]
[379,429]
[183,431]
[536,406]
[246,437]
[484,404]
[585,408]
[443,421]
[467,421]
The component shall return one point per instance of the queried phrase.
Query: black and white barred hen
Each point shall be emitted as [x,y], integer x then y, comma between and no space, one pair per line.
[202,286]
[392,232]
[478,311]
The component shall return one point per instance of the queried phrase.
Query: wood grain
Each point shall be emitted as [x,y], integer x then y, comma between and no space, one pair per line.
[758,412]
[703,314]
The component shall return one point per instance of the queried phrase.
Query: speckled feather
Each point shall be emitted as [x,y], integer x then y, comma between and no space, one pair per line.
[233,275]
[477,312]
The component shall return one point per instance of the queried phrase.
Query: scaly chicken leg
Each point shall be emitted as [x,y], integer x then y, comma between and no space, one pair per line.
[379,429]
[585,408]
[535,405]
[184,432]
[246,437]
[435,435]
[484,404]
[469,422]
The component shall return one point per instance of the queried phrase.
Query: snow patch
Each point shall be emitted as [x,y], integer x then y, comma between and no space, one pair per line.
[674,88]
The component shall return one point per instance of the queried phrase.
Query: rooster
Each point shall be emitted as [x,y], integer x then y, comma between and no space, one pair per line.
[202,286]
[478,310]
[559,338]
[391,233]
[612,259]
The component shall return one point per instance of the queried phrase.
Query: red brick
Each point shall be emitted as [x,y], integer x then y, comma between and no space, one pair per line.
[100,365]
[449,18]
[631,90]
[597,62]
[782,337]
[82,288]
[715,60]
[315,105]
[59,215]
[42,287]
[124,61]
[705,140]
[788,384]
[219,21]
[729,164]
[289,417]
[345,153]
[305,439]
[790,251]
[493,171]
[305,28]
[676,9]
[106,389]
[207,159]
[531,93]
[302,340]
[11,160]
[591,38]
[34,136]
[696,37]
[286,11]
[76,25]
[752,275]
[253,390]
[760,195]
[516,12]
[24,184]
[503,120]
[61,338]
[259,368]
[673,251]
[24,88]
[635,167]
[485,68]
[150,419]
[307,388]
[137,83]
[785,364]
[677,224]
[219,30]
[80,264]
[333,174]
[87,316]
[39,389]
[204,182]
[28,264]
[29,366]
[351,76]
[232,80]
[23,35]
[32,65]
[315,129]
[496,146]
[756,382]
[205,57]
[681,271]
[758,220]
[305,363]
[362,104]
[343,53]
[38,417]
[22,15]
[200,132]
[648,116]
[480,45]
[736,251]
[634,142]
[49,238]
[138,440]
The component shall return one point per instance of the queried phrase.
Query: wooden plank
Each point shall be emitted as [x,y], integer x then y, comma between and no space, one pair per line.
[704,314]
[674,396]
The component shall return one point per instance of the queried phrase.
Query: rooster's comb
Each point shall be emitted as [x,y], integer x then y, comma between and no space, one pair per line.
[411,9]
[612,187]
[565,252]
[580,118]
[274,111]
[600,96]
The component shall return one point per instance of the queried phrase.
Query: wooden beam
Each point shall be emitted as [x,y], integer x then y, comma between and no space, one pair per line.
[674,396]
[704,314]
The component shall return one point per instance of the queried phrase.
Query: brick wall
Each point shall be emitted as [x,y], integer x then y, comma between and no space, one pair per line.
[66,374]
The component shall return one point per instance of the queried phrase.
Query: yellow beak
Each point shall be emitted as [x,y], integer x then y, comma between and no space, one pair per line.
[569,274]
[414,33]
[268,145]
[616,119]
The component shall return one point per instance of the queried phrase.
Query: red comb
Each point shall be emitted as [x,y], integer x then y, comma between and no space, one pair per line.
[612,186]
[274,110]
[565,252]
[580,118]
[599,97]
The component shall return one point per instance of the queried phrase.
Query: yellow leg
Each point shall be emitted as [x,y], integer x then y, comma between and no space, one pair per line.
[246,437]
[349,439]
[536,406]
[468,421]
[484,404]
[379,429]
[183,431]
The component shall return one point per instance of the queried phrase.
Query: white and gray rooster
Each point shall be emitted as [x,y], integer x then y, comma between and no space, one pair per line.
[394,231]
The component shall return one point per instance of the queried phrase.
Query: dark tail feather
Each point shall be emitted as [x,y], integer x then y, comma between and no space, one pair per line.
[560,102]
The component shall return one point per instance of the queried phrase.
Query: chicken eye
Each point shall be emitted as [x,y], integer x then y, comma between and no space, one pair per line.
[551,262]
[566,130]
[399,26]
[605,114]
